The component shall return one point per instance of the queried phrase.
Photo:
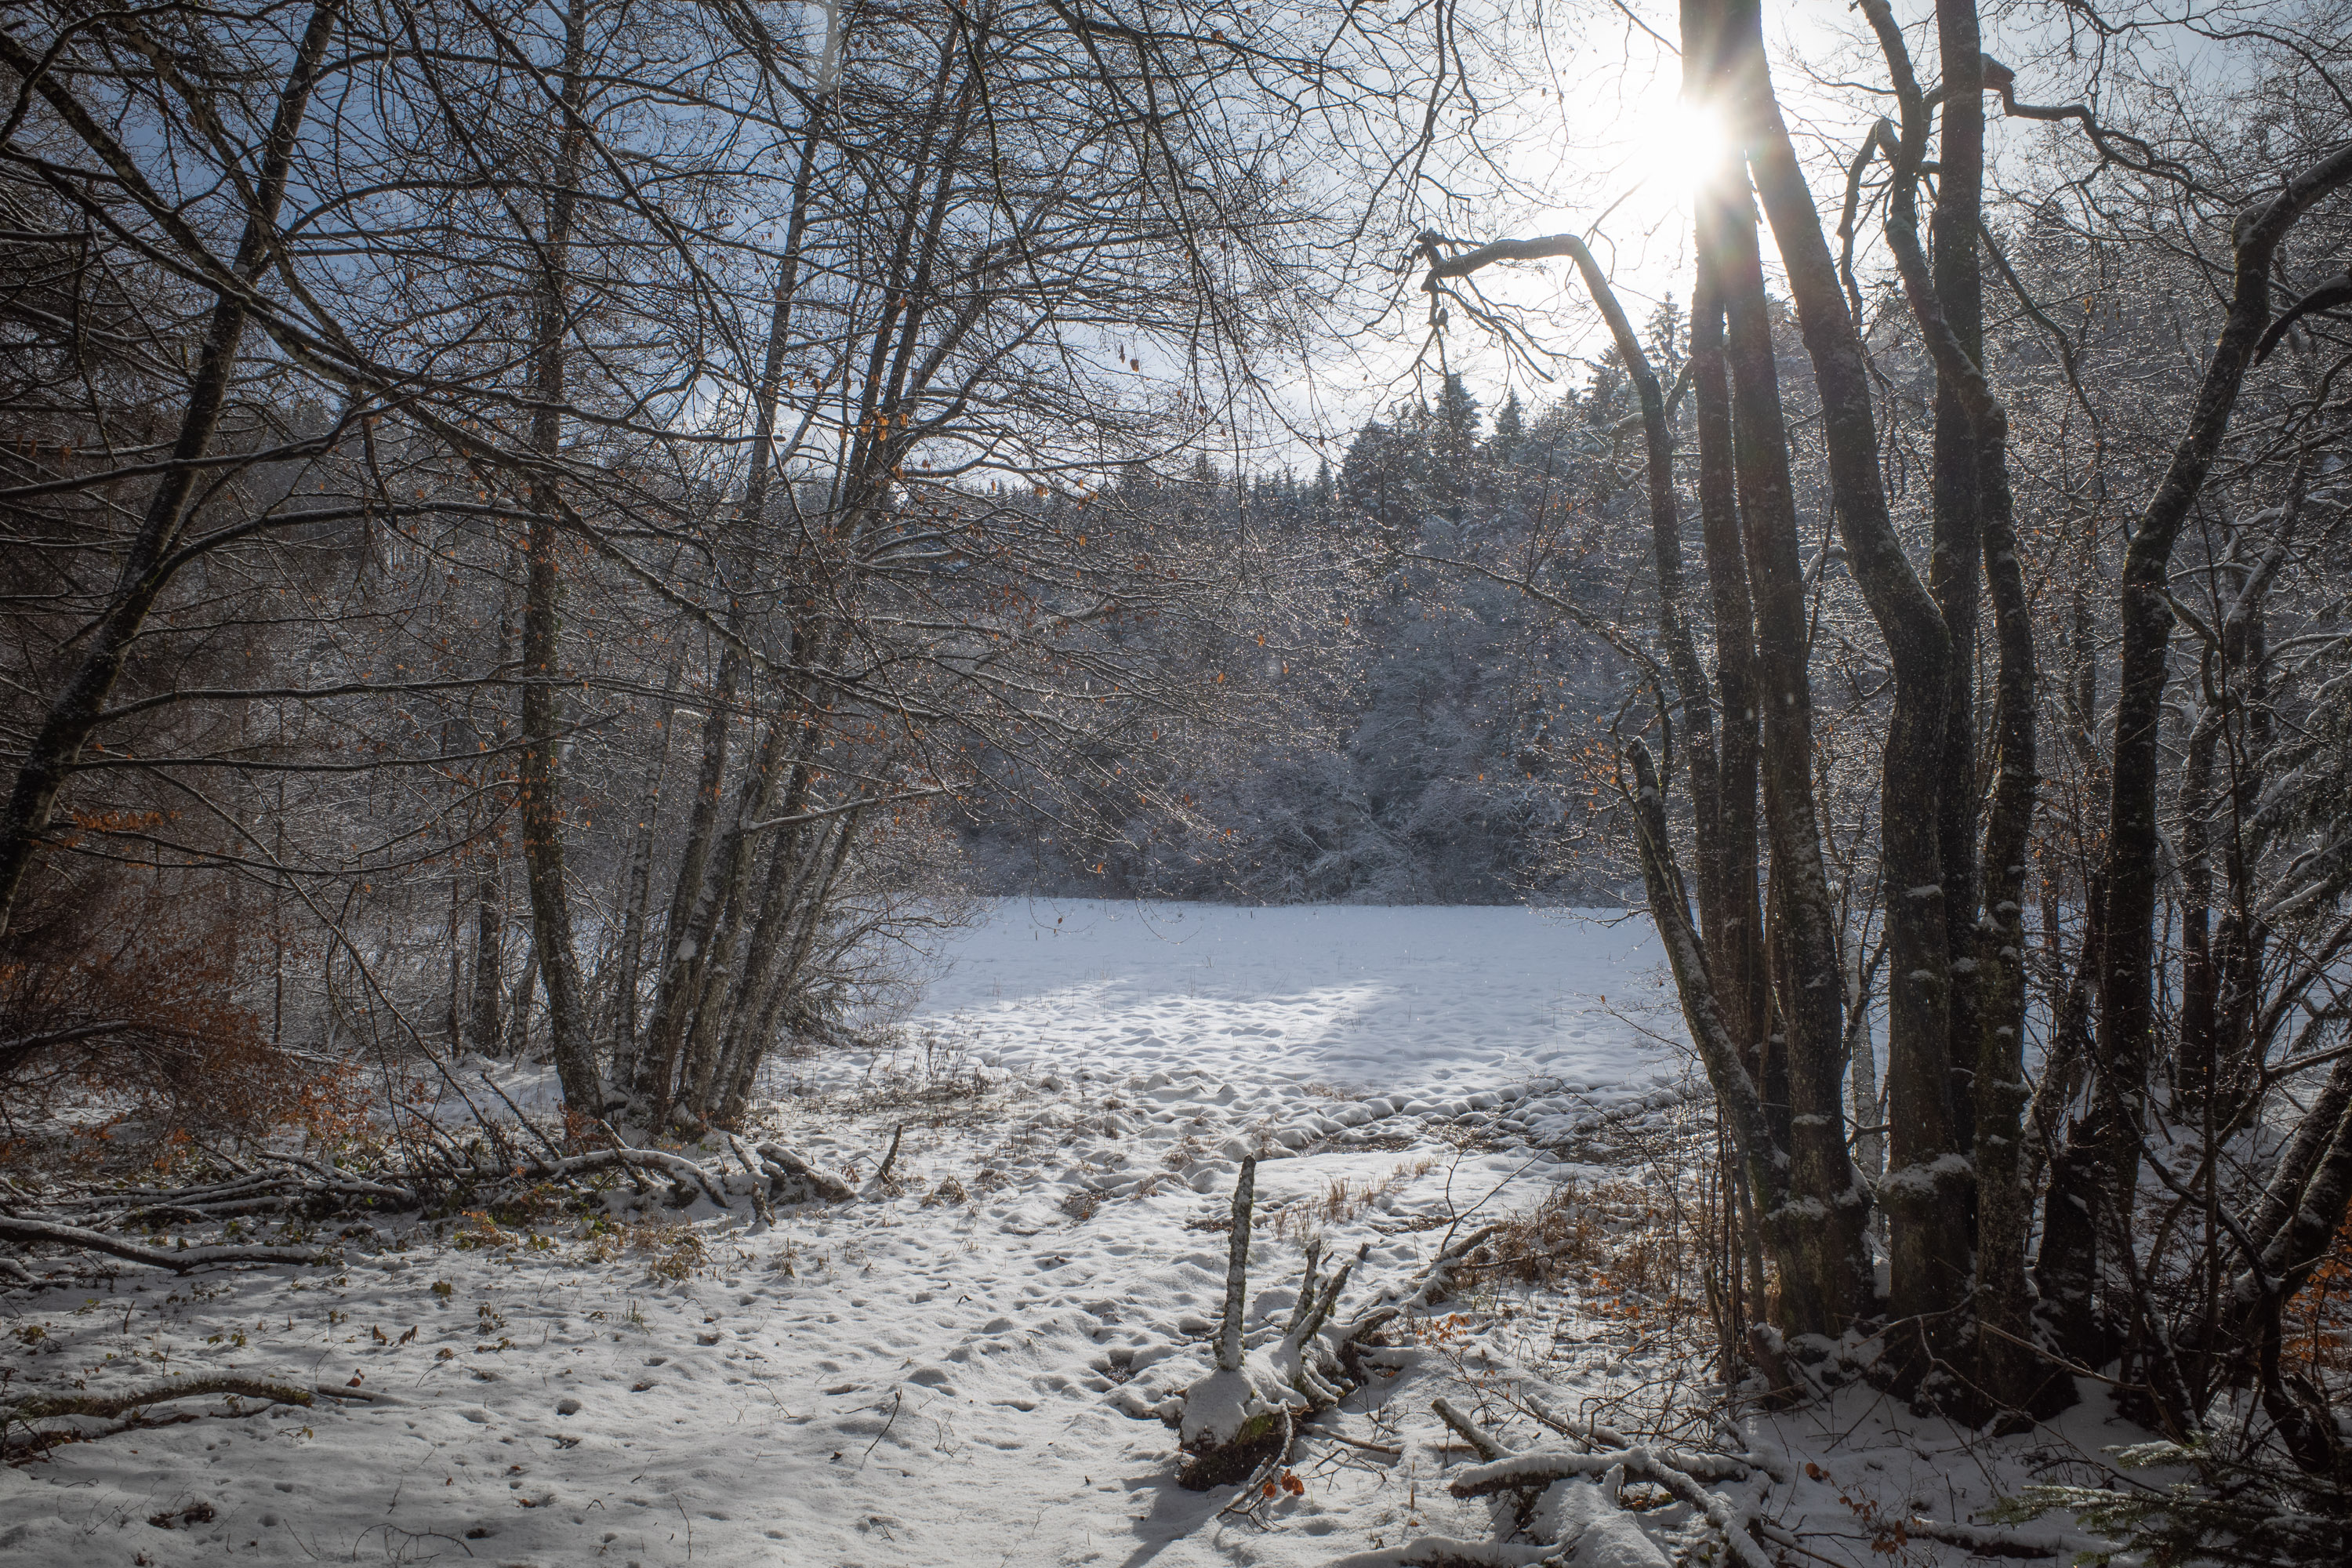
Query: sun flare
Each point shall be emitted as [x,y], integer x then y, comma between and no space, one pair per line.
[1669,150]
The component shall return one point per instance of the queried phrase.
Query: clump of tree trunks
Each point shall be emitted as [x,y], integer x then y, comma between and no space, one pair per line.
[2008,1200]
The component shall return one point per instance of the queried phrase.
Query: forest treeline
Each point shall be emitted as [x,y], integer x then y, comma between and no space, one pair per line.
[1438,740]
[534,519]
[592,528]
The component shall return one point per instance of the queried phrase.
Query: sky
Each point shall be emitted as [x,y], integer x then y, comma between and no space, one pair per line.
[1581,129]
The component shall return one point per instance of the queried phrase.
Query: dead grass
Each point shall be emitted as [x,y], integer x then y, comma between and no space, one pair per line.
[949,1192]
[1344,1200]
[672,1248]
[1615,1239]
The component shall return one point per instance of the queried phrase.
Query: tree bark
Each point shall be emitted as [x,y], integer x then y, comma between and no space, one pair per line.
[1735,945]
[539,763]
[1959,510]
[1825,1273]
[1926,1189]
[636,898]
[1762,1160]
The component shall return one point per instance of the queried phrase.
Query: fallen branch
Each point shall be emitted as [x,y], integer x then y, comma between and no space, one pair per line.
[1983,1542]
[1446,1551]
[1489,1446]
[179,1260]
[105,1407]
[1517,1473]
[787,1164]
[133,1405]
[683,1172]
[759,1179]
[1430,1285]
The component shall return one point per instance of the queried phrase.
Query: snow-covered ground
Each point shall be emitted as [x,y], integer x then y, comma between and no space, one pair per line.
[1424,1002]
[942,1373]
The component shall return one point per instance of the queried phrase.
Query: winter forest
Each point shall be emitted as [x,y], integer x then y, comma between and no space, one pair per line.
[1405,783]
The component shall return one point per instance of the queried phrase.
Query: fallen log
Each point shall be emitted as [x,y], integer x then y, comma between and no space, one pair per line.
[179,1260]
[106,1405]
[127,1410]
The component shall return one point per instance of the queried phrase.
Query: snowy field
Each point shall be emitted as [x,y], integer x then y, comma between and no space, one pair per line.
[947,1370]
[1425,1003]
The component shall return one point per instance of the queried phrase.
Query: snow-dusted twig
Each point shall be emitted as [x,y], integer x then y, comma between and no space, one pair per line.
[1984,1541]
[1430,1285]
[343,1182]
[1489,1446]
[1581,1430]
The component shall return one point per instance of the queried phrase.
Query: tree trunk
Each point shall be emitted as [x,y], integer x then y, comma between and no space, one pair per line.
[541,783]
[652,1083]
[1973,510]
[790,869]
[764,1008]
[1825,1273]
[704,945]
[1735,946]
[488,1028]
[1760,1158]
[1925,1190]
[636,896]
[2193,1068]
[1666,563]
[1960,510]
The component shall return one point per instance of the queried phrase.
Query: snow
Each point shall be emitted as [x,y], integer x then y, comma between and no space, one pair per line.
[948,1374]
[1427,1004]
